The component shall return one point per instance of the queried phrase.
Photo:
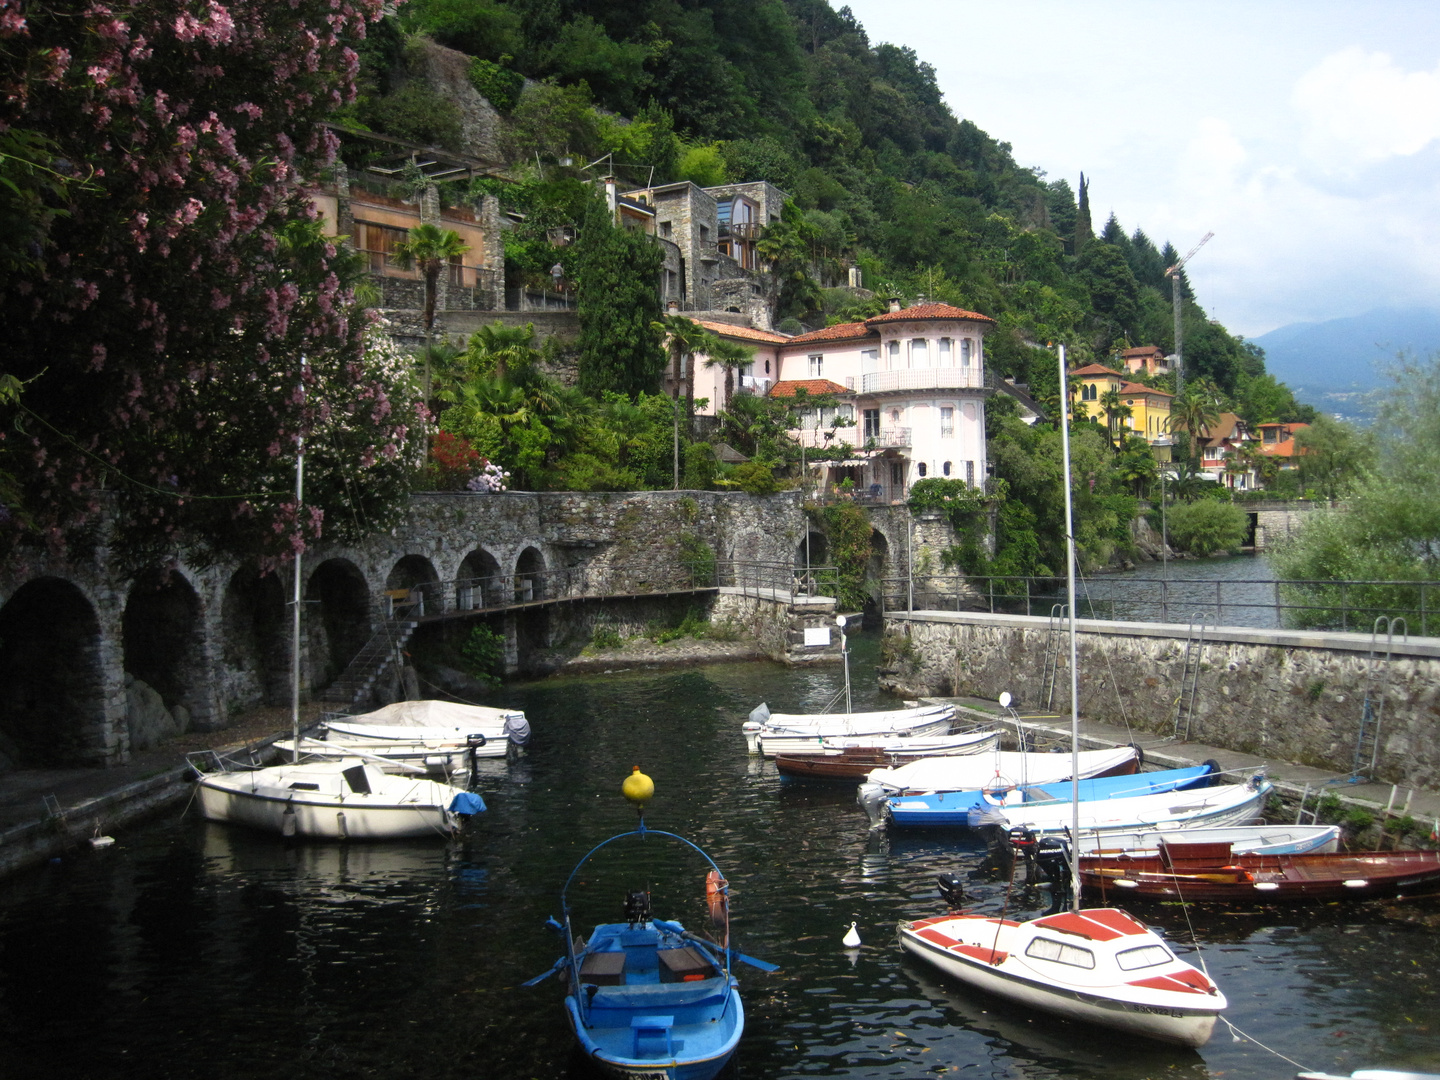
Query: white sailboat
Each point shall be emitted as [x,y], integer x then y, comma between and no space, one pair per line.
[1092,965]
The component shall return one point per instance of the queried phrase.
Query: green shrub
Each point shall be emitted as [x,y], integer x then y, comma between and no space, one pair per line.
[1206,526]
[497,84]
[484,653]
[606,637]
[755,478]
[698,559]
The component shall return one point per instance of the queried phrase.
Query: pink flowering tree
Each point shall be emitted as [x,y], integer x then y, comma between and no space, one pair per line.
[183,318]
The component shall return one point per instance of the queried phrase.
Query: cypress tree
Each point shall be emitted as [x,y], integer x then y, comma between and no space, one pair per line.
[617,272]
[1083,229]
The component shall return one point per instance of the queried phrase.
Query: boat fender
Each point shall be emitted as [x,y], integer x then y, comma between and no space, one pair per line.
[340,822]
[1215,771]
[287,822]
[1139,756]
[717,897]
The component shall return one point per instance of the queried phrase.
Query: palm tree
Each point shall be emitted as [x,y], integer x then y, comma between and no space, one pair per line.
[1115,411]
[502,350]
[429,248]
[730,355]
[1195,413]
[684,337]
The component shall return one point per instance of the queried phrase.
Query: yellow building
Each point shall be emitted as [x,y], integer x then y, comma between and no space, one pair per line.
[1149,408]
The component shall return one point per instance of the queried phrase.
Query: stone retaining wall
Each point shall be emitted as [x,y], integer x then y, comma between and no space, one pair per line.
[1286,695]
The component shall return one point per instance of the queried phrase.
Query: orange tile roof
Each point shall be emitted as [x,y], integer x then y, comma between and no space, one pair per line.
[838,332]
[1141,388]
[928,311]
[744,333]
[1096,369]
[788,387]
[1282,447]
[1143,350]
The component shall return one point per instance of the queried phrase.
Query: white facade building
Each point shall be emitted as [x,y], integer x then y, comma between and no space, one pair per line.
[913,379]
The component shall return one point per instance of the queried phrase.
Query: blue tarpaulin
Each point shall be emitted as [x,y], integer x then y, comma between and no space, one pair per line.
[467,803]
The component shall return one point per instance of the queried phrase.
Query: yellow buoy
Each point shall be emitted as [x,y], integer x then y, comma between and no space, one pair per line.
[638,787]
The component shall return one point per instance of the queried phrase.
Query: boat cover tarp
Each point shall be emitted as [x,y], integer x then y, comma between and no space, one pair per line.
[467,803]
[432,713]
[1002,768]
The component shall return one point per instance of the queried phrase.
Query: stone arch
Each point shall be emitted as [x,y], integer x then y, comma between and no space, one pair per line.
[255,637]
[52,682]
[337,618]
[529,576]
[480,574]
[532,638]
[818,553]
[164,648]
[416,572]
[875,570]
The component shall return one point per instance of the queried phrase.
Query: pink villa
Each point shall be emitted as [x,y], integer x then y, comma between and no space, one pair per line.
[910,383]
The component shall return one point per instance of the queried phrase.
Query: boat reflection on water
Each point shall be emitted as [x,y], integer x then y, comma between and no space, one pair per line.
[359,870]
[1032,1040]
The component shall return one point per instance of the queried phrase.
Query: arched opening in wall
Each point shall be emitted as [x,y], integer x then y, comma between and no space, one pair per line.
[414,576]
[52,686]
[813,550]
[480,584]
[529,576]
[532,638]
[163,636]
[336,618]
[255,629]
[876,570]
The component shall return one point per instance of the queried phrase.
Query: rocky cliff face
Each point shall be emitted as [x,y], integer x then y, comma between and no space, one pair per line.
[446,70]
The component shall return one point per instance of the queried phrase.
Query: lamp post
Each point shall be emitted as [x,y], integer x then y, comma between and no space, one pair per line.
[845,658]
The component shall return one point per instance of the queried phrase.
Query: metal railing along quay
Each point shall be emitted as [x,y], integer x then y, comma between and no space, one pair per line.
[1347,606]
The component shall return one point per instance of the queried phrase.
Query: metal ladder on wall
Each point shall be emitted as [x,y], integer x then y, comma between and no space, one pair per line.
[1372,711]
[1053,644]
[1189,680]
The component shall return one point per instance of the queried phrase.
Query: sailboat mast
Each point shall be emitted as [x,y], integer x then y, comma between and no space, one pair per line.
[295,600]
[1074,671]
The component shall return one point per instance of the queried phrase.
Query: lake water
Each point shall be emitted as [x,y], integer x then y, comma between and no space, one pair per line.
[196,951]
[1238,590]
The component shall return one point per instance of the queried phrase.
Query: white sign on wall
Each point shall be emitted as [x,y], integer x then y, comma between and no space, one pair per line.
[817,635]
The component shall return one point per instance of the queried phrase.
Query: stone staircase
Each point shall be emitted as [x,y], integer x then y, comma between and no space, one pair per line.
[368,665]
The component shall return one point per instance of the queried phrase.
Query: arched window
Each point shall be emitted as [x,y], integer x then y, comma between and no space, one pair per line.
[946,468]
[921,468]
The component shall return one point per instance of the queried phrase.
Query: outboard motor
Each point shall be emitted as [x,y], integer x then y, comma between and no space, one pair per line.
[1022,841]
[994,828]
[1052,859]
[952,891]
[637,907]
[517,730]
[872,799]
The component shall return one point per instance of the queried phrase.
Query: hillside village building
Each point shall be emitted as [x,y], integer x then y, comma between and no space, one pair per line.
[908,390]
[1149,409]
[1224,453]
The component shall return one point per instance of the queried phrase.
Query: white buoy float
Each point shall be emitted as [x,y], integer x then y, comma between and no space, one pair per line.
[852,939]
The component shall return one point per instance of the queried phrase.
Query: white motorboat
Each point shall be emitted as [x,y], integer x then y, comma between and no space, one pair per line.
[921,720]
[1212,807]
[463,727]
[1096,965]
[347,799]
[1003,769]
[1243,840]
[969,742]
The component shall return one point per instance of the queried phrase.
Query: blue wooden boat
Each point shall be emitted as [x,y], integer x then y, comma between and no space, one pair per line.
[645,997]
[952,808]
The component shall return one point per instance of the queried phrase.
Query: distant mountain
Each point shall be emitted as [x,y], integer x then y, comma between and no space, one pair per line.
[1346,354]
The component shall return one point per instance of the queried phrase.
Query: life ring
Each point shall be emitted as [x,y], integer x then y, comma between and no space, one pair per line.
[717,897]
[996,796]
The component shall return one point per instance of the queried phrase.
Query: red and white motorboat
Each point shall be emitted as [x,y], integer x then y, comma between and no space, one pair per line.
[1095,965]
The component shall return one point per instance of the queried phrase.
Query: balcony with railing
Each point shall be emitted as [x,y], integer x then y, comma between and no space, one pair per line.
[950,378]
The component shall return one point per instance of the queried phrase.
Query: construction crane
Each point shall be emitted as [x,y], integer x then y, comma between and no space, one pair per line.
[1173,273]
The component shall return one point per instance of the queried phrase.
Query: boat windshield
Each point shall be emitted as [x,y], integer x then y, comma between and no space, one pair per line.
[1060,952]
[1143,957]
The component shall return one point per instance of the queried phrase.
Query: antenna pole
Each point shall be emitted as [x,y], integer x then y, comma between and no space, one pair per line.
[1074,672]
[295,612]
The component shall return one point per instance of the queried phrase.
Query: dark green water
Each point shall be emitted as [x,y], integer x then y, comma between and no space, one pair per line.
[191,950]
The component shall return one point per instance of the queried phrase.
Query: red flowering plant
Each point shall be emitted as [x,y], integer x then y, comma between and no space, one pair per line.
[184,318]
[453,461]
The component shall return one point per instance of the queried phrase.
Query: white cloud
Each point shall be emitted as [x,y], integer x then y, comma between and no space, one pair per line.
[1361,108]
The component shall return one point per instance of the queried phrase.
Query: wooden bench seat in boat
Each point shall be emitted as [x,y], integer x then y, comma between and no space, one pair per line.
[603,969]
[685,965]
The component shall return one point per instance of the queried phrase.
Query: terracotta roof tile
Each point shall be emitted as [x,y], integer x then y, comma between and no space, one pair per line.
[788,387]
[838,332]
[1096,369]
[743,333]
[1143,350]
[1141,388]
[928,311]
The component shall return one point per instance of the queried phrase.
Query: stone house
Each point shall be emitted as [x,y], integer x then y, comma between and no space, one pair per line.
[371,208]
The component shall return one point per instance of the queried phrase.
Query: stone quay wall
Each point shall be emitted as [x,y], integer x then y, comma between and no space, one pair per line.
[1286,695]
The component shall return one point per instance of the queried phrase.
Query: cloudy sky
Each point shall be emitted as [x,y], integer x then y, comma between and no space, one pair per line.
[1304,133]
